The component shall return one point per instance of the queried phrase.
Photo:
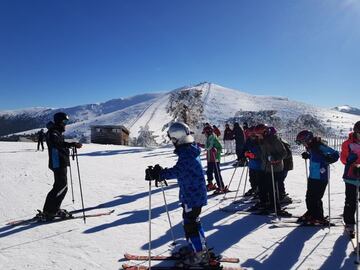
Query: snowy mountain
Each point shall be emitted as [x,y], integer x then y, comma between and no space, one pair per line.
[205,102]
[347,109]
[26,119]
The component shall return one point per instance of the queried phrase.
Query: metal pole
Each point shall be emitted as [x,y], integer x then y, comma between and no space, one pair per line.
[237,191]
[246,177]
[273,184]
[81,193]
[72,186]
[230,181]
[357,225]
[168,215]
[329,196]
[149,225]
[306,169]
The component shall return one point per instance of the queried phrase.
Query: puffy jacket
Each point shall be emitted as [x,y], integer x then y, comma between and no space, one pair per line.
[288,160]
[319,164]
[214,148]
[189,173]
[351,145]
[58,149]
[253,147]
[228,134]
[272,146]
[239,136]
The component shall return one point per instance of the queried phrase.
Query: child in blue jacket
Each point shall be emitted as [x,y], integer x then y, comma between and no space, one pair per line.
[320,156]
[192,195]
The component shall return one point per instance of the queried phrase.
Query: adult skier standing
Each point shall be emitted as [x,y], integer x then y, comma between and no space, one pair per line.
[239,137]
[228,139]
[59,160]
[350,157]
[40,138]
[320,156]
[192,194]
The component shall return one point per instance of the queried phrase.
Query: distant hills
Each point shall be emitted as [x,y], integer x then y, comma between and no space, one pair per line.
[205,102]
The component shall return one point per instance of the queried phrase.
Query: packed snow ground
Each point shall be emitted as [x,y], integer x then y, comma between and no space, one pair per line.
[113,178]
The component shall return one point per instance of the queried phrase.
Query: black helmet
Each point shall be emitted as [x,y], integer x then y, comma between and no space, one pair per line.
[357,127]
[304,136]
[61,118]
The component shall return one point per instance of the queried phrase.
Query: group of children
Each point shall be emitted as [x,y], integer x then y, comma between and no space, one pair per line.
[269,160]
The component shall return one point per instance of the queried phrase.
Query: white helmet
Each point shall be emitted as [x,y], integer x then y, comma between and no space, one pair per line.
[179,133]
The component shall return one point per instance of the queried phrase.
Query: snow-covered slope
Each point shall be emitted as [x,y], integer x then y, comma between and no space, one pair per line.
[113,178]
[219,105]
[20,120]
[347,109]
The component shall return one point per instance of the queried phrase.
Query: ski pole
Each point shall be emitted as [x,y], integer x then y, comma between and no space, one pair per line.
[329,195]
[237,191]
[246,177]
[81,193]
[168,215]
[230,181]
[273,185]
[357,225]
[149,224]
[306,169]
[148,177]
[71,183]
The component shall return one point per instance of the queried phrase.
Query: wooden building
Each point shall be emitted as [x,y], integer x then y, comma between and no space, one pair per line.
[110,134]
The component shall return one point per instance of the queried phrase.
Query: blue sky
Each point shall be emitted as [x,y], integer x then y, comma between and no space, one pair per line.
[72,52]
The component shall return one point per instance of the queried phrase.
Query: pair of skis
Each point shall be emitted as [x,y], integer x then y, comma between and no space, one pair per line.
[35,220]
[133,257]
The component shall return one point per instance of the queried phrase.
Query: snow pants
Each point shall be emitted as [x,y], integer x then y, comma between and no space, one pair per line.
[194,233]
[281,184]
[253,179]
[40,142]
[350,203]
[214,168]
[315,192]
[58,192]
[228,145]
[268,192]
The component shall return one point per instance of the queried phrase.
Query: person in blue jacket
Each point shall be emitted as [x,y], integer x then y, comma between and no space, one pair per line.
[192,194]
[320,156]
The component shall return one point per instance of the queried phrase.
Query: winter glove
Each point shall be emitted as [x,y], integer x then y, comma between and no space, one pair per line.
[148,173]
[156,171]
[305,155]
[250,155]
[351,158]
[272,160]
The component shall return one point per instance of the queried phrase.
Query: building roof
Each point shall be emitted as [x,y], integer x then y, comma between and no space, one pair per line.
[111,127]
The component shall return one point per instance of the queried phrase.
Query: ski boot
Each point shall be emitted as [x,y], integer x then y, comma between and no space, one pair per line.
[249,193]
[285,200]
[210,187]
[304,218]
[63,214]
[350,230]
[182,252]
[195,259]
[44,216]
